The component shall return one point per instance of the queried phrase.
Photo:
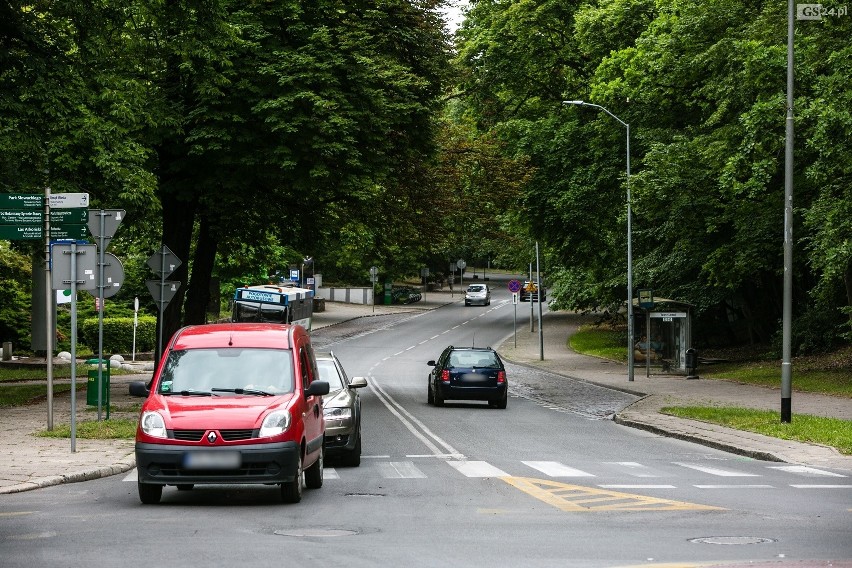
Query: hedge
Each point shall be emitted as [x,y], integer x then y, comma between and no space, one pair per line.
[118,334]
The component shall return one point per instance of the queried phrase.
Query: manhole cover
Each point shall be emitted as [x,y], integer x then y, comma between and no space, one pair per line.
[731,540]
[308,532]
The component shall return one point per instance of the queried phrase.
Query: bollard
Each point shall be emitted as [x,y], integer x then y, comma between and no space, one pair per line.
[7,350]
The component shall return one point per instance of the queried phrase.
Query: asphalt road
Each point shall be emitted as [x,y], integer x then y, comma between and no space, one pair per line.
[550,481]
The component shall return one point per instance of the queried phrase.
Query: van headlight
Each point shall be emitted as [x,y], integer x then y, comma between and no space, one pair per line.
[275,423]
[152,424]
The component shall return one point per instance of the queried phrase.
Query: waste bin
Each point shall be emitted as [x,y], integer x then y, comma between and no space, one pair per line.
[92,385]
[691,363]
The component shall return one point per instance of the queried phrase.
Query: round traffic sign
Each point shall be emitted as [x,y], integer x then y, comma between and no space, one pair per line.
[514,286]
[461,264]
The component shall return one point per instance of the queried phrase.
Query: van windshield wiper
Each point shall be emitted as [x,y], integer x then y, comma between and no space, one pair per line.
[244,391]
[187,392]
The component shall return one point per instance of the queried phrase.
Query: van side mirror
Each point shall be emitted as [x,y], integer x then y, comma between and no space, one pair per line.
[139,388]
[317,388]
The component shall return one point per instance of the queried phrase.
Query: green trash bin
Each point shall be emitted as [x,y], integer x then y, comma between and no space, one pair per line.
[92,385]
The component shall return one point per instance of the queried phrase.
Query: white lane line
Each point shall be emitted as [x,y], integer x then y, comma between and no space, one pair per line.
[131,475]
[636,469]
[716,471]
[556,469]
[424,341]
[410,348]
[400,470]
[440,456]
[410,420]
[804,470]
[435,336]
[384,457]
[734,486]
[477,469]
[822,486]
[637,486]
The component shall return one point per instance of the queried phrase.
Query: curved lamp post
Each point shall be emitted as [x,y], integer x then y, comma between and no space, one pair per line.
[630,338]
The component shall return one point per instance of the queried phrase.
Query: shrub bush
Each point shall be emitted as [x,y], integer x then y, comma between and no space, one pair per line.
[118,334]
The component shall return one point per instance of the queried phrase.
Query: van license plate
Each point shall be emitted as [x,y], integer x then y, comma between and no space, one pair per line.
[212,460]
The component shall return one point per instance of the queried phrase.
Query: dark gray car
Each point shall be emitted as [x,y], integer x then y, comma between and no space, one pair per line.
[342,410]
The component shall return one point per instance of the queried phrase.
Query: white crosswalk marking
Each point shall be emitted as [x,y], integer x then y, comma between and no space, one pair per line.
[556,469]
[330,473]
[400,470]
[477,469]
[804,470]
[716,471]
[636,469]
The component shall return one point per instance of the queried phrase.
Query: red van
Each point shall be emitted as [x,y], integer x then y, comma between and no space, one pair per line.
[232,403]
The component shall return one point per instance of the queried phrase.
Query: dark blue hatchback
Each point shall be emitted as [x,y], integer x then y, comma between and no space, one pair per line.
[468,373]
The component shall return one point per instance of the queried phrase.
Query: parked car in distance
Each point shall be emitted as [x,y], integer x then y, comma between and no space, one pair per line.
[529,289]
[232,403]
[468,373]
[342,409]
[477,294]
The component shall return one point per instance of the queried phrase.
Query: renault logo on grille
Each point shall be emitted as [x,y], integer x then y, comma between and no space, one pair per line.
[211,437]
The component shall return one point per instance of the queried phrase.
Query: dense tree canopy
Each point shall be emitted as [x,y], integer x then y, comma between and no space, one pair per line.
[702,85]
[247,135]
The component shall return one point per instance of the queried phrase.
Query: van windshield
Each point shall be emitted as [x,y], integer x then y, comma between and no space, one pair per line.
[202,370]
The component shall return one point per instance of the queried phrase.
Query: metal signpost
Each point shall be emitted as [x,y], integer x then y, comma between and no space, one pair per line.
[103,224]
[73,265]
[514,288]
[54,206]
[374,275]
[461,264]
[135,325]
[163,263]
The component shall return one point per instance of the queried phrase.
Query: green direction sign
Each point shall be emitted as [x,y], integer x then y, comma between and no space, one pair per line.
[21,216]
[73,216]
[69,231]
[21,201]
[21,232]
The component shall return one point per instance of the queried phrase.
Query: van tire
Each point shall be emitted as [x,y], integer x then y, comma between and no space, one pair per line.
[291,491]
[149,494]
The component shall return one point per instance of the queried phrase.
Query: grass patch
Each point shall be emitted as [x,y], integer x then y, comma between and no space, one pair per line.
[768,374]
[823,374]
[38,373]
[802,428]
[19,395]
[600,342]
[113,429]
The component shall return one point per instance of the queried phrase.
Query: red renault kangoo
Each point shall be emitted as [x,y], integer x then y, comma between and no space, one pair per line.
[232,403]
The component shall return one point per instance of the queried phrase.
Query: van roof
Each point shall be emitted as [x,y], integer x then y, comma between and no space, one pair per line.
[268,335]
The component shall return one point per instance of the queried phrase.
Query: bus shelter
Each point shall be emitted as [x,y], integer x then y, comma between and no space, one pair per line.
[663,334]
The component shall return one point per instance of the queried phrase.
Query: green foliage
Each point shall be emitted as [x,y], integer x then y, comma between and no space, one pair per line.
[118,334]
[803,428]
[15,295]
[702,86]
[817,330]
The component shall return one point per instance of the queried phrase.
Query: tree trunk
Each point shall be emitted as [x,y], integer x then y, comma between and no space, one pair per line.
[178,222]
[198,293]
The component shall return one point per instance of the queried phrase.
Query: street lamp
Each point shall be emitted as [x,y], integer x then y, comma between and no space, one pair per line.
[630,338]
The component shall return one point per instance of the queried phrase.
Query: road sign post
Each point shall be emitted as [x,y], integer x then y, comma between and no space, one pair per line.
[163,263]
[103,223]
[73,265]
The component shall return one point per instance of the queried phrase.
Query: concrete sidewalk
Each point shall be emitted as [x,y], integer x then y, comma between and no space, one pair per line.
[29,462]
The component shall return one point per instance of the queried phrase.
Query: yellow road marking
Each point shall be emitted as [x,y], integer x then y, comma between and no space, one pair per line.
[574,498]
